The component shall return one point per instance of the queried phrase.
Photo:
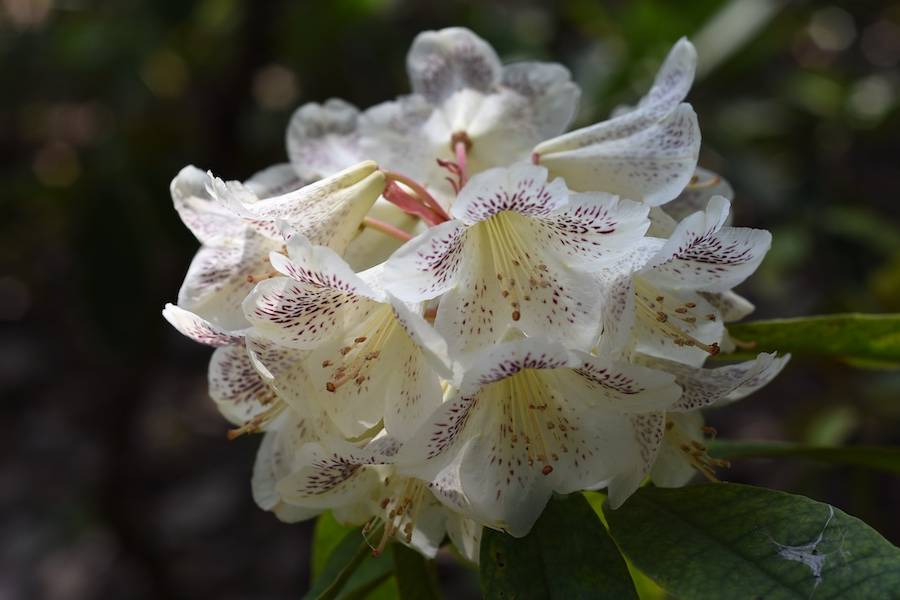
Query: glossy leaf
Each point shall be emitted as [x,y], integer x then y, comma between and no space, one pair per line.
[872,338]
[568,555]
[734,541]
[873,457]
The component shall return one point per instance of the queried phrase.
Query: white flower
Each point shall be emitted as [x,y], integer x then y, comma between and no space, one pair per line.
[532,418]
[668,307]
[233,255]
[328,212]
[684,450]
[517,253]
[648,153]
[368,356]
[529,337]
[464,104]
[303,468]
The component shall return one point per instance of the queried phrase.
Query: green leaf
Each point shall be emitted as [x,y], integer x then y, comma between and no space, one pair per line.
[326,536]
[873,457]
[735,541]
[351,571]
[568,555]
[416,579]
[870,338]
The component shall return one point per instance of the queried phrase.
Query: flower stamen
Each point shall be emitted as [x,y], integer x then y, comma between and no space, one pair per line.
[669,319]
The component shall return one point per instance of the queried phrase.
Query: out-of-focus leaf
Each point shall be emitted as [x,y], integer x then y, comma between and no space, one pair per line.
[353,566]
[415,575]
[873,457]
[327,534]
[852,336]
[568,555]
[735,541]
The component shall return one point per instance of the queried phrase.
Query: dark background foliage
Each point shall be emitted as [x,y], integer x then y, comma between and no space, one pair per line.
[116,479]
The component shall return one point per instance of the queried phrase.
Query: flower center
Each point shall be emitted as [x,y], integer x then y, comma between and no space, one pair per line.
[401,506]
[694,451]
[353,361]
[517,275]
[531,418]
[673,318]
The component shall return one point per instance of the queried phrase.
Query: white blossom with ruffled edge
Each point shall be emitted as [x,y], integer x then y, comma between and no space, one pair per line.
[518,252]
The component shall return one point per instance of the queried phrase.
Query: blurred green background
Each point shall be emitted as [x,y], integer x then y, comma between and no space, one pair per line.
[116,479]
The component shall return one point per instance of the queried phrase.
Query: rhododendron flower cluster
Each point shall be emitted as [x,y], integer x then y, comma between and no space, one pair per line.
[446,308]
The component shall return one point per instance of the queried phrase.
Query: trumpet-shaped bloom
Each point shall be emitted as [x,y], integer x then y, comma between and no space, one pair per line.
[647,153]
[517,253]
[368,357]
[670,294]
[532,418]
[683,452]
[233,255]
[462,95]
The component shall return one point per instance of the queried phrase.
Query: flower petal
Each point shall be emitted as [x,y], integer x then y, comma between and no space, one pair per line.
[322,139]
[465,535]
[704,255]
[235,386]
[273,462]
[199,329]
[672,83]
[328,212]
[302,315]
[651,164]
[442,62]
[329,476]
[673,468]
[591,228]
[220,277]
[733,307]
[649,431]
[696,196]
[619,386]
[208,220]
[503,493]
[552,96]
[722,385]
[521,188]
[427,265]
[615,281]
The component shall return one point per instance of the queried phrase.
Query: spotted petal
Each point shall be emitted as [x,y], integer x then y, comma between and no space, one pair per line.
[236,387]
[328,212]
[208,220]
[722,385]
[651,164]
[323,139]
[309,306]
[199,329]
[551,95]
[704,255]
[649,432]
[442,62]
[273,462]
